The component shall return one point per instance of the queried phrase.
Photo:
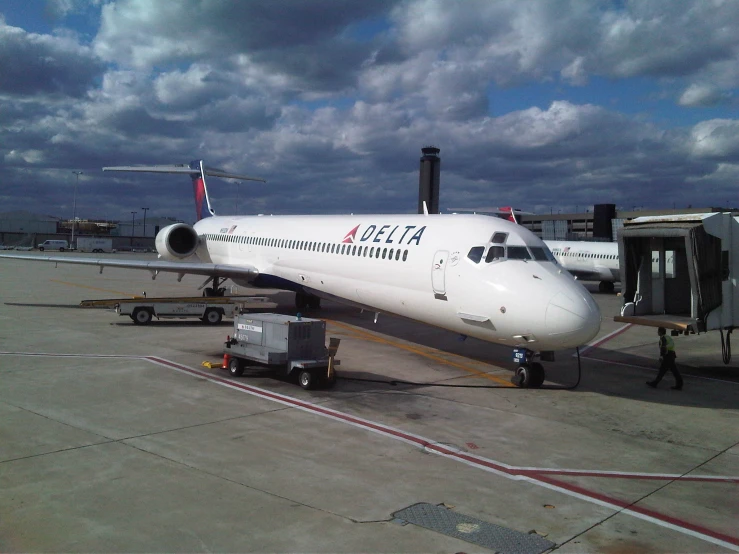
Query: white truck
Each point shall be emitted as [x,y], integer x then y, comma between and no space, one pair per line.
[94,244]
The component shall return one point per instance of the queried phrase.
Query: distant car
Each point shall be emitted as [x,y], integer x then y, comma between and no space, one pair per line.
[60,245]
[3,247]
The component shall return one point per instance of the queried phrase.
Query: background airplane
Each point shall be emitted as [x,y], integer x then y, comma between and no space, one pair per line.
[475,275]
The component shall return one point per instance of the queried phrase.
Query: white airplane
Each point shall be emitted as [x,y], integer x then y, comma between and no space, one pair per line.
[589,260]
[475,275]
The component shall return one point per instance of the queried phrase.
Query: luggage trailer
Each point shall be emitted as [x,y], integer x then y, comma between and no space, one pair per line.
[289,345]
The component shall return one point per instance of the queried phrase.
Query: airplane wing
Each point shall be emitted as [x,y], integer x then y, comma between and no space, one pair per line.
[155,267]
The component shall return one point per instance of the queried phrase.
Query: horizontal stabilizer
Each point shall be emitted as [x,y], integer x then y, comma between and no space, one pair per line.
[183,169]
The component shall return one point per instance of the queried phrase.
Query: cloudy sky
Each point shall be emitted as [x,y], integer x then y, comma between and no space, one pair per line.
[544,105]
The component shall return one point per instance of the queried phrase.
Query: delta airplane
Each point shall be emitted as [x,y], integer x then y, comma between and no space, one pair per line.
[589,260]
[475,275]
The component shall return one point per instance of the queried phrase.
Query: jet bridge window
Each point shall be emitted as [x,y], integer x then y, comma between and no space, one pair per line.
[518,253]
[475,254]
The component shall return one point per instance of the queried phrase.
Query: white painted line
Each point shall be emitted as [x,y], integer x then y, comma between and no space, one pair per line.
[485,464]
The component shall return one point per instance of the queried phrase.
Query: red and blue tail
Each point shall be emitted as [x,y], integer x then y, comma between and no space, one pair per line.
[202,202]
[197,172]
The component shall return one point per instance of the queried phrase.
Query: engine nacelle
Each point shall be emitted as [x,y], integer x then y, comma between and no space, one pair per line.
[177,241]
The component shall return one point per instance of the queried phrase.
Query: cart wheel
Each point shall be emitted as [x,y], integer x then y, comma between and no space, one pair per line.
[212,316]
[329,383]
[306,379]
[235,367]
[141,316]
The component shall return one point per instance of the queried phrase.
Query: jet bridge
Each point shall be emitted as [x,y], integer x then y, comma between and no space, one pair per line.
[680,272]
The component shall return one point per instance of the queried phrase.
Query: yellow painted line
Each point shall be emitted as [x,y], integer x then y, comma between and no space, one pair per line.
[94,288]
[360,333]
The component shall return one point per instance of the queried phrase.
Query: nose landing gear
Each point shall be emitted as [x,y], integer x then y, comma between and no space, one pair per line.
[529,374]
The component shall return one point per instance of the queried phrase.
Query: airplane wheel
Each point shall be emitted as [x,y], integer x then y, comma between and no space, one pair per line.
[235,367]
[301,301]
[306,379]
[141,316]
[522,377]
[537,375]
[212,316]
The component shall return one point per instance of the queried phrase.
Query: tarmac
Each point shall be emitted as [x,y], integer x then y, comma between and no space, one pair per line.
[114,437]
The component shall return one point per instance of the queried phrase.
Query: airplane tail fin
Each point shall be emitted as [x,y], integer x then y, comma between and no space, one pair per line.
[511,213]
[197,171]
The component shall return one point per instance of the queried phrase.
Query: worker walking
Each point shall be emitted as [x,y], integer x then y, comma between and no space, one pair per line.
[666,360]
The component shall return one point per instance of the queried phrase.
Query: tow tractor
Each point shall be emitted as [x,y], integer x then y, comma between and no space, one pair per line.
[289,345]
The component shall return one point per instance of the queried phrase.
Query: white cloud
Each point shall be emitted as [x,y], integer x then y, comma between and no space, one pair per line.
[717,139]
[702,95]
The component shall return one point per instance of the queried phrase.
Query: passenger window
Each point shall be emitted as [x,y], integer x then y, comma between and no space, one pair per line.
[499,238]
[495,253]
[384,252]
[390,255]
[475,254]
[405,255]
[518,253]
[372,252]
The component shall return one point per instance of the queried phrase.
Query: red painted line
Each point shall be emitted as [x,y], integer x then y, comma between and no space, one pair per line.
[532,475]
[677,522]
[626,475]
[608,337]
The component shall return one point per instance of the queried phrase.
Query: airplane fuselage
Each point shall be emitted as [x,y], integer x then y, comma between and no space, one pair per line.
[438,269]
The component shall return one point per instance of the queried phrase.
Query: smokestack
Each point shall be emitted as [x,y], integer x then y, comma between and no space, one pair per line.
[428,180]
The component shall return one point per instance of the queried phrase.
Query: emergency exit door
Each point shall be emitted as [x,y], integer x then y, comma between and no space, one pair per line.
[438,272]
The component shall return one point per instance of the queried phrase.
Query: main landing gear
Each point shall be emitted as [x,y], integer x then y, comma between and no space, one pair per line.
[529,374]
[305,301]
[216,290]
[606,286]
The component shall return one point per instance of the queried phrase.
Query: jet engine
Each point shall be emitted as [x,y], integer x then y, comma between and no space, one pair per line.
[177,241]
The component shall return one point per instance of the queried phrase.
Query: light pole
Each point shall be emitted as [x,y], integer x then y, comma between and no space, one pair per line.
[133,215]
[145,210]
[74,205]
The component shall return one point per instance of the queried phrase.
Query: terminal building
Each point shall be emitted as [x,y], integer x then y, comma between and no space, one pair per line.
[602,224]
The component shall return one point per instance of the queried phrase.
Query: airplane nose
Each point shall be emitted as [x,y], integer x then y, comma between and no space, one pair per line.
[572,319]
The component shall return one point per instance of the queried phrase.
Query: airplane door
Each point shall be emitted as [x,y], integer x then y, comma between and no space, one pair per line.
[438,272]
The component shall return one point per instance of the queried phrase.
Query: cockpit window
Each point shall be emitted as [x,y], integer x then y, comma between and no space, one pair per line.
[475,253]
[518,253]
[541,254]
[499,238]
[495,253]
